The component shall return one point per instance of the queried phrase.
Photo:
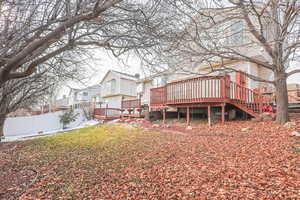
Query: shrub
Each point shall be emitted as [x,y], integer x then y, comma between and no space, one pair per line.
[67,117]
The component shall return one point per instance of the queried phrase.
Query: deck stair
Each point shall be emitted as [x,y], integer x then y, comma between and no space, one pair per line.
[248,108]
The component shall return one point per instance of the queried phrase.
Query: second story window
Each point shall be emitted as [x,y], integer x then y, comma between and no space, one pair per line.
[113,85]
[237,33]
[75,96]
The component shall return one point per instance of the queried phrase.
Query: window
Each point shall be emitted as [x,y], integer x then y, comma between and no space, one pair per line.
[107,89]
[164,80]
[75,96]
[85,94]
[237,33]
[113,86]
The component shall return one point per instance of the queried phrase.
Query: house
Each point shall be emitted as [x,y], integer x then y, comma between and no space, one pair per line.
[214,88]
[60,104]
[293,93]
[118,86]
[120,96]
[85,96]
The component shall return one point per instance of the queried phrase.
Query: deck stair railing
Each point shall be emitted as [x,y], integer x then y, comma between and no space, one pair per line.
[248,98]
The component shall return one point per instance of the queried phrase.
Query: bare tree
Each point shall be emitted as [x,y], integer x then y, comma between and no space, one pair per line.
[23,93]
[48,38]
[215,33]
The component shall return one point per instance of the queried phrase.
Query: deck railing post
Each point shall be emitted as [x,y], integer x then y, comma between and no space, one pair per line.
[100,109]
[227,86]
[224,86]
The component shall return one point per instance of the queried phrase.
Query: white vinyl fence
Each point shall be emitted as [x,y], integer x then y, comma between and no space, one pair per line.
[29,125]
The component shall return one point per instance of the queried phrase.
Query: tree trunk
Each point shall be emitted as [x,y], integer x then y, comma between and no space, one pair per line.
[282,115]
[2,119]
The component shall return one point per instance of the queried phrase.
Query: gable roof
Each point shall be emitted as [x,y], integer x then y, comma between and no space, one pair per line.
[121,75]
[96,86]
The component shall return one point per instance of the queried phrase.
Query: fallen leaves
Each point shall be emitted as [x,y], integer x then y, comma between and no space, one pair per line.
[121,162]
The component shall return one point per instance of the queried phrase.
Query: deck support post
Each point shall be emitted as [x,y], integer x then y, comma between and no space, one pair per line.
[260,103]
[223,113]
[188,116]
[122,113]
[164,116]
[178,114]
[106,110]
[209,115]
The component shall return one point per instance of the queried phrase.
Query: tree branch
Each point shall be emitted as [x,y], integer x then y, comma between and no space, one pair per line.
[293,72]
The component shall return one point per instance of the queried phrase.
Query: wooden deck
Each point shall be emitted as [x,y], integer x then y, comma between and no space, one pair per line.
[107,113]
[129,108]
[207,91]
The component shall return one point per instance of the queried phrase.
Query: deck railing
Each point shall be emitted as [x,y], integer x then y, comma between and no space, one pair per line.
[133,103]
[199,89]
[206,89]
[107,112]
[157,96]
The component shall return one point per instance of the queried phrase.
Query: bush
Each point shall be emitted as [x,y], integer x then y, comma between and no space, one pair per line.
[67,117]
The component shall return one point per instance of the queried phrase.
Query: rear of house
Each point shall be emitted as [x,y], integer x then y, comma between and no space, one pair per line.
[117,88]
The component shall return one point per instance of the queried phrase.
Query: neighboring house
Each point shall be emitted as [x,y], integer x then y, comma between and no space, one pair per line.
[62,103]
[118,86]
[84,96]
[294,93]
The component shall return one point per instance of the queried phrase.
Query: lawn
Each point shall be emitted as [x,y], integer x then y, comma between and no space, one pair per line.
[124,162]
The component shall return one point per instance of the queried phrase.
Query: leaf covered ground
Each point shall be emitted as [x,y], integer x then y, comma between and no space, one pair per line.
[126,162]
